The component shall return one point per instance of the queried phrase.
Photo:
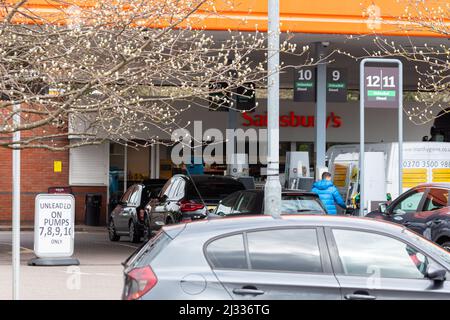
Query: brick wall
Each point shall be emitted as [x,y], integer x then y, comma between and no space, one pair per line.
[37,175]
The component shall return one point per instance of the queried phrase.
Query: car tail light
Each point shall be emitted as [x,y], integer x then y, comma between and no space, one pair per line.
[141,214]
[139,282]
[189,206]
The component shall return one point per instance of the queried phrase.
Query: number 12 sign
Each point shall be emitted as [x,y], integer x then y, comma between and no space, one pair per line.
[381,85]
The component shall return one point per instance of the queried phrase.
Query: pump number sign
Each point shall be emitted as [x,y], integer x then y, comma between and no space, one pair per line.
[381,86]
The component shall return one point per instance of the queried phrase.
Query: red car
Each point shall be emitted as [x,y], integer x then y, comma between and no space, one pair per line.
[424,209]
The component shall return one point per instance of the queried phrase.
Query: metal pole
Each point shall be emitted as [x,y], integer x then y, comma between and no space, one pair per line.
[400,129]
[321,110]
[152,162]
[361,138]
[400,125]
[157,161]
[272,189]
[125,168]
[16,205]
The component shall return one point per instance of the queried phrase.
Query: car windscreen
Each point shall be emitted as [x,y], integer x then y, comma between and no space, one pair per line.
[150,192]
[295,204]
[212,189]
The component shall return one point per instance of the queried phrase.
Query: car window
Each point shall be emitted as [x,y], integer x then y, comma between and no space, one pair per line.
[225,207]
[214,188]
[367,254]
[126,195]
[294,250]
[429,246]
[134,198]
[148,193]
[410,203]
[246,203]
[436,199]
[227,253]
[173,190]
[179,193]
[294,204]
[166,189]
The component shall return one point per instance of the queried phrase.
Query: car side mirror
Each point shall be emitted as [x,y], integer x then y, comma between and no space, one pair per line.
[382,207]
[436,273]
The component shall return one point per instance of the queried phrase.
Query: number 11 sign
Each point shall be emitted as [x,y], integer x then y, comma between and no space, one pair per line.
[381,85]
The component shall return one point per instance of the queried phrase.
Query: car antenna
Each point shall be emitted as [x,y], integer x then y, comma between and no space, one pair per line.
[195,187]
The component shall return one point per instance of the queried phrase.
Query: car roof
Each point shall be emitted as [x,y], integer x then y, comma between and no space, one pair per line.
[205,177]
[284,192]
[215,227]
[154,182]
[444,185]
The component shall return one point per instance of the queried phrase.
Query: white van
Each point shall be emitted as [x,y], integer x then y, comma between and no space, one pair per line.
[422,162]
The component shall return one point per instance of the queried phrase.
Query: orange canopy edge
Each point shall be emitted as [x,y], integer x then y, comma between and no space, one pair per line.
[297,16]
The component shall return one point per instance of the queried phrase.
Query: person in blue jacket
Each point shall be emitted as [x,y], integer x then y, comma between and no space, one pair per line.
[328,193]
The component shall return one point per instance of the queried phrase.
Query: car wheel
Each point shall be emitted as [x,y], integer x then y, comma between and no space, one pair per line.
[446,245]
[169,221]
[134,236]
[112,231]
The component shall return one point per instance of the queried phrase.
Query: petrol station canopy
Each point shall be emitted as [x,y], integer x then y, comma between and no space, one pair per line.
[385,17]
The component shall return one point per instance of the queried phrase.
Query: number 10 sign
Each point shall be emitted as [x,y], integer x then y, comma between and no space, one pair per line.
[381,85]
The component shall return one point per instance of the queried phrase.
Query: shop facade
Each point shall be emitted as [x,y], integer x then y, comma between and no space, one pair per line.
[109,168]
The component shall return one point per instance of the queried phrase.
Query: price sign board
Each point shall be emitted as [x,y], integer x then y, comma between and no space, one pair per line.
[245,97]
[305,84]
[219,98]
[336,84]
[381,85]
[54,225]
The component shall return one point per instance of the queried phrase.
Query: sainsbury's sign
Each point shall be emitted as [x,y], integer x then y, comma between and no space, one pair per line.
[289,120]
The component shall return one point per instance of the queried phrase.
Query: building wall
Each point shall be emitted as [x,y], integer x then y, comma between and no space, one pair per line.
[37,175]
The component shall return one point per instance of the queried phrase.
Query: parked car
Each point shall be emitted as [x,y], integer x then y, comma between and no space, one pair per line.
[294,257]
[188,198]
[248,202]
[128,216]
[424,209]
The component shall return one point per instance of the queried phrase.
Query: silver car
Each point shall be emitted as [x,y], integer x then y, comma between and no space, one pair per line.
[294,257]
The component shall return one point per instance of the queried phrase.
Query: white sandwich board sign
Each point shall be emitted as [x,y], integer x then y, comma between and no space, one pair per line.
[54,225]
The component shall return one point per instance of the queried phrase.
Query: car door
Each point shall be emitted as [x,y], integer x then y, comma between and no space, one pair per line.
[370,265]
[435,214]
[403,210]
[281,263]
[118,213]
[165,203]
[130,209]
[176,194]
[159,206]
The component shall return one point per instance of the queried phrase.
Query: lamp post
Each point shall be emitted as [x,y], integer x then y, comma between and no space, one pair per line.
[16,204]
[272,188]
